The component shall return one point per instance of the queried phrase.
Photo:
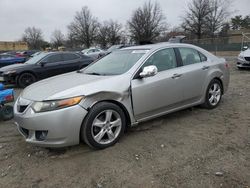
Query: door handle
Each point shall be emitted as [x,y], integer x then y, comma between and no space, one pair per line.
[176,76]
[205,67]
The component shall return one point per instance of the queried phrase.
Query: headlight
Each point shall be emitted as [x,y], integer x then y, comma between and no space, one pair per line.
[55,105]
[10,72]
[241,57]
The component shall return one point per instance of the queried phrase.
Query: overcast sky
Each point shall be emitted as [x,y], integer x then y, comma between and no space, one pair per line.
[16,15]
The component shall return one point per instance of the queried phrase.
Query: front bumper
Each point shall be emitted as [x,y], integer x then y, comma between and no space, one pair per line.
[8,79]
[242,63]
[62,126]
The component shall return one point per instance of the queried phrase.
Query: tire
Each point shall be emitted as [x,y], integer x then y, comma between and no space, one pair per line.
[25,79]
[6,112]
[99,130]
[213,94]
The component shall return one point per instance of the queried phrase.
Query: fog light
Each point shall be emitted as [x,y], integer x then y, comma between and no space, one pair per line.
[41,135]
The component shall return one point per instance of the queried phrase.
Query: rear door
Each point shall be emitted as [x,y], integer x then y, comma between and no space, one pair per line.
[71,62]
[194,70]
[154,95]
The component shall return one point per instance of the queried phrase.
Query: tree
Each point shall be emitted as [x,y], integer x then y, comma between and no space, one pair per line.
[115,32]
[224,30]
[84,27]
[109,33]
[57,38]
[102,36]
[147,23]
[238,22]
[33,36]
[217,16]
[194,20]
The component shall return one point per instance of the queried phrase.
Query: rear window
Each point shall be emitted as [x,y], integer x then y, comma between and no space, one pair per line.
[189,56]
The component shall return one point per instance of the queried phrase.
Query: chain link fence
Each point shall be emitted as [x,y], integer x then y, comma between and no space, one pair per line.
[218,44]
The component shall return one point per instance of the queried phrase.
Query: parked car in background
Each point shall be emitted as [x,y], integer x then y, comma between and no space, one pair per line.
[27,54]
[8,59]
[42,66]
[122,89]
[243,60]
[37,53]
[93,52]
[117,47]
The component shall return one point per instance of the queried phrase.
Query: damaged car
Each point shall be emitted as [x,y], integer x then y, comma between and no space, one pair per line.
[124,88]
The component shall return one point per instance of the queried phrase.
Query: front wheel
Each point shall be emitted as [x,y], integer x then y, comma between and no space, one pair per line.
[103,126]
[6,112]
[213,94]
[25,79]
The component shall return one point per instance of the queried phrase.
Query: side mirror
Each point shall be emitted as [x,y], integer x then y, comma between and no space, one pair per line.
[42,63]
[149,71]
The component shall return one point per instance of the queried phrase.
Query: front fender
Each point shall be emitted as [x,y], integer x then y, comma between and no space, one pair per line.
[123,99]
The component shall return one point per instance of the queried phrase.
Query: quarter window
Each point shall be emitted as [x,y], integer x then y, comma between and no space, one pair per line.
[189,56]
[203,57]
[163,60]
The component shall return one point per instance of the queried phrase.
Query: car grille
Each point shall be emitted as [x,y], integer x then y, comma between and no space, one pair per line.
[247,58]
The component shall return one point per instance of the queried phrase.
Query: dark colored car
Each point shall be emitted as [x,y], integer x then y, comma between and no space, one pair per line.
[8,59]
[42,66]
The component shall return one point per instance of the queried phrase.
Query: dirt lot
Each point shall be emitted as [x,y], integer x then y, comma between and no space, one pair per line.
[191,148]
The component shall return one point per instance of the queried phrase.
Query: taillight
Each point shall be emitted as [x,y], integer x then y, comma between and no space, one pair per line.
[9,98]
[226,65]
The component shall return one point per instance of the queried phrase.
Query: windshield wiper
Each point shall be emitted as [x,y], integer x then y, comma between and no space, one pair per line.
[94,73]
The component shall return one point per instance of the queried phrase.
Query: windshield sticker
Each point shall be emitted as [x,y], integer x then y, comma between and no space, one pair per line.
[139,51]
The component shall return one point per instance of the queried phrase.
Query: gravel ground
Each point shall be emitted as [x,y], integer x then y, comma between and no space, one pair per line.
[191,148]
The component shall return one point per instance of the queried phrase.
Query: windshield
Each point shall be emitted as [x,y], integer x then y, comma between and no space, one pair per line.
[36,58]
[115,63]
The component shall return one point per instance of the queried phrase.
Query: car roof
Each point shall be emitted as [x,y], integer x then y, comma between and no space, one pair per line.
[57,52]
[157,46]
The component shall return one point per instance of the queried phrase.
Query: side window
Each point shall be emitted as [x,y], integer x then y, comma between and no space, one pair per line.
[68,57]
[54,58]
[203,57]
[163,60]
[189,56]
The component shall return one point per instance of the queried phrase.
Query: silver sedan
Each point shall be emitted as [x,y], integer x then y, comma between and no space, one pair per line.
[122,89]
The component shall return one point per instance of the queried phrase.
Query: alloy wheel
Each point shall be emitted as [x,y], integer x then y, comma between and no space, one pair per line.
[214,94]
[106,126]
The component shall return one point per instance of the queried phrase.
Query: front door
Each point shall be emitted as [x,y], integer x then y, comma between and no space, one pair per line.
[157,94]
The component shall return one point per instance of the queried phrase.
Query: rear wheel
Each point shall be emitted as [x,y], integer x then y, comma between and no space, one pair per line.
[213,94]
[25,79]
[103,126]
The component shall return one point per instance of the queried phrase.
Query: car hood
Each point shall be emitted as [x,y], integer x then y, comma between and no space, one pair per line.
[13,67]
[71,85]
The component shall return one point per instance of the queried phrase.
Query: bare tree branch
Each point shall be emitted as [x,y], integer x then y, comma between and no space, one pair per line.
[147,23]
[33,36]
[57,38]
[84,28]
